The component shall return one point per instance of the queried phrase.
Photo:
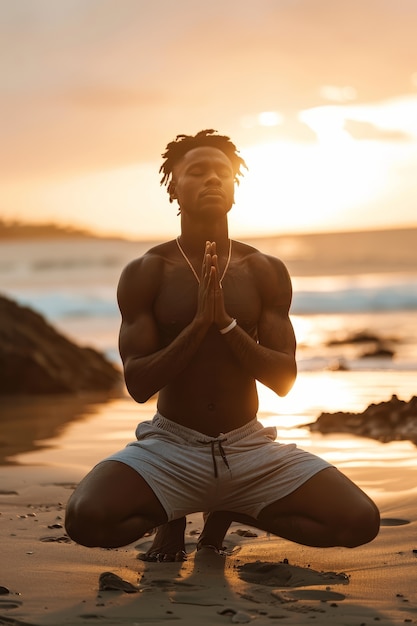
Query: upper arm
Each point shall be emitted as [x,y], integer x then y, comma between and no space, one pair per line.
[275,329]
[135,294]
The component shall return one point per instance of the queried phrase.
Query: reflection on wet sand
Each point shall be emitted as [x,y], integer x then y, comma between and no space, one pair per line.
[27,423]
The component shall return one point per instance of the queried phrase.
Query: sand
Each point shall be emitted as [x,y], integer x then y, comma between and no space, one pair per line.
[46,579]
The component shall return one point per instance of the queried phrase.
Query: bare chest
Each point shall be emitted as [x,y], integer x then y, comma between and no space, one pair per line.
[176,301]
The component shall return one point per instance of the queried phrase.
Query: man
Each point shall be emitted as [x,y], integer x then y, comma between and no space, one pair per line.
[204,318]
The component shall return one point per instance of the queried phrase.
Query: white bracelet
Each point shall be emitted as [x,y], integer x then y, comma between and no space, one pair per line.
[231,326]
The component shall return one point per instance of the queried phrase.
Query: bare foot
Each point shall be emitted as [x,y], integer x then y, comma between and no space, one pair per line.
[169,544]
[216,525]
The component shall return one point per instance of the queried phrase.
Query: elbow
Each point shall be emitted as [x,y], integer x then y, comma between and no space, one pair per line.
[286,381]
[138,388]
[284,388]
[139,393]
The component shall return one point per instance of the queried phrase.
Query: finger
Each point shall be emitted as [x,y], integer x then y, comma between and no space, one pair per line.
[205,265]
[206,296]
[208,266]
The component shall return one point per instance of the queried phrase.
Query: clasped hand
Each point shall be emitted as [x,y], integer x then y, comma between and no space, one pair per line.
[210,293]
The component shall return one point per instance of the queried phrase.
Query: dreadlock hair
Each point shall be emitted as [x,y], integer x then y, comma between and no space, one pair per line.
[175,150]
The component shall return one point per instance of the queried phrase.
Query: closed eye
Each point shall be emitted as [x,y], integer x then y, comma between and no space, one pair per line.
[196,171]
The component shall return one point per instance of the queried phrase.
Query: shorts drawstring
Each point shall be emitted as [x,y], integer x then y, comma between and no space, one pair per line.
[212,443]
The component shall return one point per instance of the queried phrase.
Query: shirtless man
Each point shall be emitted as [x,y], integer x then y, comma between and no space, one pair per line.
[204,318]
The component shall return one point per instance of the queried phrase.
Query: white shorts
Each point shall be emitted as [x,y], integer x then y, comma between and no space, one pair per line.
[243,470]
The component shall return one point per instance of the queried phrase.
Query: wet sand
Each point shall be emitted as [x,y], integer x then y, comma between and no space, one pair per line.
[46,579]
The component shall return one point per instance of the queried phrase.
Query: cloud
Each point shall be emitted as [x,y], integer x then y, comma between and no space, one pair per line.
[365,130]
[90,85]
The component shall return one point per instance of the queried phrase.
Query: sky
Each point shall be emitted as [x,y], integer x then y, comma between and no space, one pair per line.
[320,96]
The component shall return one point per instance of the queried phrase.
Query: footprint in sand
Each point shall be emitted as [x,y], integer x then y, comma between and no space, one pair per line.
[285,575]
[58,539]
[13,621]
[308,594]
[9,604]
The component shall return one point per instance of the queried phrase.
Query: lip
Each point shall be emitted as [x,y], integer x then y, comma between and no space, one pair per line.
[214,193]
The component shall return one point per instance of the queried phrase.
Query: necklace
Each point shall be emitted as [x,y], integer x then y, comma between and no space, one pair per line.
[190,265]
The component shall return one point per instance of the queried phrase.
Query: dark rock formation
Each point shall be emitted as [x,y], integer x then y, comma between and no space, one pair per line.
[36,359]
[378,347]
[362,336]
[380,351]
[393,420]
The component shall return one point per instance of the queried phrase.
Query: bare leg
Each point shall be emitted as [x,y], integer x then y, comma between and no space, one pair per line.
[112,506]
[168,544]
[328,510]
[216,525]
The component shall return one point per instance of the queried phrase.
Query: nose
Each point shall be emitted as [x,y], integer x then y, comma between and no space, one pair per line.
[213,178]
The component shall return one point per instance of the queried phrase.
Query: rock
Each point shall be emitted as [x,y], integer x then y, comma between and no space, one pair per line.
[380,351]
[35,359]
[379,347]
[357,337]
[112,582]
[387,421]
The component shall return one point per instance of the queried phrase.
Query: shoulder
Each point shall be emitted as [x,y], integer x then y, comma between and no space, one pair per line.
[269,274]
[151,262]
[261,264]
[142,275]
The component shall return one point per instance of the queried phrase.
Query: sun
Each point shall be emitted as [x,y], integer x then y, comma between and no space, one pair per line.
[281,191]
[299,187]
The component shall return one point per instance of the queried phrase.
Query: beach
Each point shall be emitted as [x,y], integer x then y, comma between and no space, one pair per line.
[50,580]
[285,127]
[49,443]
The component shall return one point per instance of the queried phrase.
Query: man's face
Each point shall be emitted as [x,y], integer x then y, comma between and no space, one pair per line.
[203,182]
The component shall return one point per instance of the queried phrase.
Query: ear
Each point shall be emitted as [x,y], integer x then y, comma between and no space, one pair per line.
[172,192]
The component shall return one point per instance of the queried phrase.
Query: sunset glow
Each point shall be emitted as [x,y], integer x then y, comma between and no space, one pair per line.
[331,143]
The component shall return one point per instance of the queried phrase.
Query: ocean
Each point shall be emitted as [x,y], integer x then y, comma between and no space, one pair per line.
[354,309]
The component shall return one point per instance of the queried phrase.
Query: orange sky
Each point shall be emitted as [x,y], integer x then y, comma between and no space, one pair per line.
[320,96]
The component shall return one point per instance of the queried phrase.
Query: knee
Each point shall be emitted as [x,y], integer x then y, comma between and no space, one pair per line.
[84,523]
[361,525]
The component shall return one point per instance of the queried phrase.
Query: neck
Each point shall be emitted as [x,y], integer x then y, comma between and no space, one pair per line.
[194,238]
[191,266]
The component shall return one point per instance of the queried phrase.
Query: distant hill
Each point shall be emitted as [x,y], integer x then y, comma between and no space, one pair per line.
[26,230]
[347,252]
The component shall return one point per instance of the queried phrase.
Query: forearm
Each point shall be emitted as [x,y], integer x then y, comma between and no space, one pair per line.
[275,369]
[146,375]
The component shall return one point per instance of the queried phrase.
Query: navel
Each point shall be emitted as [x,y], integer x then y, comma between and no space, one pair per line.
[211,406]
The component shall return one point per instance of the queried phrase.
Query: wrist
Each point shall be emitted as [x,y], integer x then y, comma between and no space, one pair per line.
[229,327]
[200,324]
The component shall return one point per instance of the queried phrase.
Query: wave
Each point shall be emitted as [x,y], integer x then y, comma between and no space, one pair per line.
[63,305]
[388,297]
[101,302]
